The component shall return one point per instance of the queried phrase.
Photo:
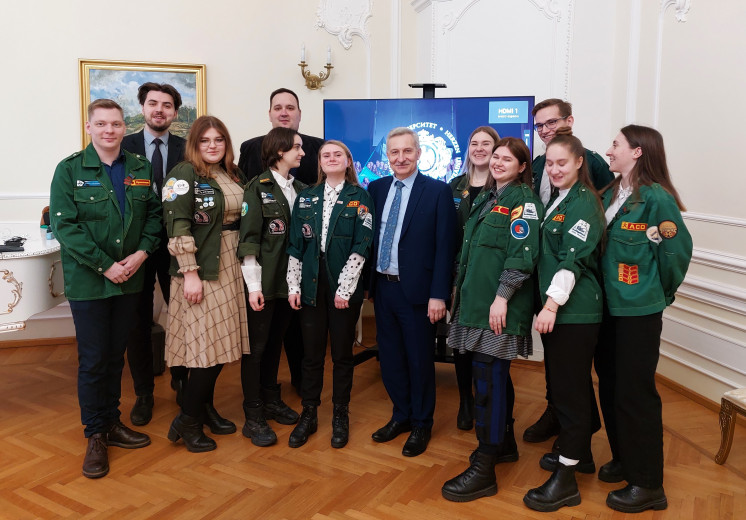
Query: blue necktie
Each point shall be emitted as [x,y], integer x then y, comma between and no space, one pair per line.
[388,233]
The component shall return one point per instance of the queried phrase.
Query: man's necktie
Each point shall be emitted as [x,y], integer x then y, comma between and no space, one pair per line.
[388,233]
[157,162]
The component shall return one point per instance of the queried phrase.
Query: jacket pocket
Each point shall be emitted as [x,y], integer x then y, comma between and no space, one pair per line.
[493,233]
[345,226]
[92,203]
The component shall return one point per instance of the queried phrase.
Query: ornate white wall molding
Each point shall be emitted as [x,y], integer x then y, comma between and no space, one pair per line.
[447,15]
[666,353]
[719,260]
[726,297]
[682,10]
[345,19]
[714,219]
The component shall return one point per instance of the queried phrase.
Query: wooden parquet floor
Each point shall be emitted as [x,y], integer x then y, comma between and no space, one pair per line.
[42,447]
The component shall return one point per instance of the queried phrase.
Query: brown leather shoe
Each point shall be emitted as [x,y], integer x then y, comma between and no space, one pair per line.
[96,461]
[123,437]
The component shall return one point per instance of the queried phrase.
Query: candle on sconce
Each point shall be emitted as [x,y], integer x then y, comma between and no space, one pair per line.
[329,55]
[303,52]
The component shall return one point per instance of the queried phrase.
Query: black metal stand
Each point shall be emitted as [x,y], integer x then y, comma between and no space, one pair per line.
[428,89]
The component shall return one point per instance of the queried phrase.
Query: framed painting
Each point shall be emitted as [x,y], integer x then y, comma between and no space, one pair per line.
[119,81]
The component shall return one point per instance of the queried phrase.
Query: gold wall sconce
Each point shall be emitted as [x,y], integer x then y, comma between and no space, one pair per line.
[314,81]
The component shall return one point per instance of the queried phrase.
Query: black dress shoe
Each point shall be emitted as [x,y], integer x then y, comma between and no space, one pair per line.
[477,481]
[550,460]
[611,472]
[634,499]
[545,428]
[417,442]
[275,408]
[142,412]
[96,461]
[217,424]
[560,490]
[391,431]
[307,425]
[123,437]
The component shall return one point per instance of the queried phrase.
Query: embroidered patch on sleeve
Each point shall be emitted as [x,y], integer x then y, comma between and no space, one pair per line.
[580,230]
[519,229]
[667,229]
[517,212]
[529,211]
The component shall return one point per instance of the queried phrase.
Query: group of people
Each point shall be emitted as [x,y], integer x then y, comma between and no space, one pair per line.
[289,236]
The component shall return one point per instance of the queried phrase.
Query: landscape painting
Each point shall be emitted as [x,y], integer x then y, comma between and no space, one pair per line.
[119,81]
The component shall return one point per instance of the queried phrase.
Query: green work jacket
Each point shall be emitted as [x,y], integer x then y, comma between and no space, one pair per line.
[570,239]
[647,252]
[193,206]
[350,231]
[506,237]
[92,233]
[265,224]
[598,169]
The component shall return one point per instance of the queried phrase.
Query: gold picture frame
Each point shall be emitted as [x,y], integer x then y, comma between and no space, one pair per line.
[119,80]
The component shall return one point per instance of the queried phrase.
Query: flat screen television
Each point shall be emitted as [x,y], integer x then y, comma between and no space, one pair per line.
[442,124]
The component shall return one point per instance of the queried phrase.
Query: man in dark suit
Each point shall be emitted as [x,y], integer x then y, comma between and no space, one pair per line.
[160,106]
[284,110]
[412,266]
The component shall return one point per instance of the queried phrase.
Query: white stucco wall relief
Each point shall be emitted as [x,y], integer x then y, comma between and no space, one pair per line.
[345,19]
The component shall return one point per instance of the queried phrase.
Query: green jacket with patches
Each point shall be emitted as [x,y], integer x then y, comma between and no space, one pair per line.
[194,206]
[92,233]
[570,239]
[493,243]
[350,231]
[265,225]
[647,252]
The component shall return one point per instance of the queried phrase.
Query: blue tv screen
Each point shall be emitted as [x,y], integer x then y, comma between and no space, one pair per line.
[442,124]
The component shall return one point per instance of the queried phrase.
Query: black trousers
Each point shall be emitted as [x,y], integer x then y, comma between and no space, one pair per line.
[140,346]
[316,322]
[626,360]
[294,349]
[569,350]
[266,330]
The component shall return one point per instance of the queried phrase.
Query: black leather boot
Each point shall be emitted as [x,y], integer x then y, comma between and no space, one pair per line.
[477,481]
[275,408]
[190,429]
[256,427]
[340,426]
[612,472]
[635,499]
[560,490]
[308,424]
[545,428]
[465,417]
[217,424]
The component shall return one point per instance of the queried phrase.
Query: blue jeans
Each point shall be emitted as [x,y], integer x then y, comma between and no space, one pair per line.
[102,328]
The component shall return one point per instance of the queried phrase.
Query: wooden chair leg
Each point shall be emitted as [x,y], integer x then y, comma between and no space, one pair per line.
[727,425]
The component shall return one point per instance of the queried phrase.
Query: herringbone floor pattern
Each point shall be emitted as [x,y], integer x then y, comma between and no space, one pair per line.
[42,447]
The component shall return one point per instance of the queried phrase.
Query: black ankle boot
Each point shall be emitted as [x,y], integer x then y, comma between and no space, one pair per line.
[217,424]
[560,490]
[190,429]
[275,408]
[465,417]
[340,426]
[256,427]
[477,481]
[308,424]
[545,428]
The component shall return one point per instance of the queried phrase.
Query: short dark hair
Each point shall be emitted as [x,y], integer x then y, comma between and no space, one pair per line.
[283,90]
[565,108]
[278,140]
[103,103]
[142,92]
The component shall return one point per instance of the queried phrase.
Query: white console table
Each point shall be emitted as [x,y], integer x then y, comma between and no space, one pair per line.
[31,280]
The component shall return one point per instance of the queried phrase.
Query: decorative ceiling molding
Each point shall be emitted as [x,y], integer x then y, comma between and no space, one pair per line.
[345,19]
